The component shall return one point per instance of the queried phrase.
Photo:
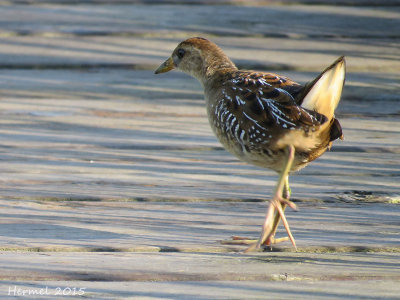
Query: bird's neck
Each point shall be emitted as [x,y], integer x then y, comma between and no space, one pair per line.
[212,86]
[213,67]
[217,64]
[216,78]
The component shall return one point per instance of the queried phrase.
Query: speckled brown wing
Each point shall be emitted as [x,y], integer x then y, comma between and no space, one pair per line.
[279,81]
[298,91]
[264,103]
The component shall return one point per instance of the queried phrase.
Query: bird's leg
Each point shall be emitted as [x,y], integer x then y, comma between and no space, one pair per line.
[271,237]
[275,209]
[239,240]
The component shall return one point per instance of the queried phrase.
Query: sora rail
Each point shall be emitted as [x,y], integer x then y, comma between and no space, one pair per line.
[264,119]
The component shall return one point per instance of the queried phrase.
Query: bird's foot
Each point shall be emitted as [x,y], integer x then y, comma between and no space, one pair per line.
[275,213]
[272,240]
[239,240]
[268,243]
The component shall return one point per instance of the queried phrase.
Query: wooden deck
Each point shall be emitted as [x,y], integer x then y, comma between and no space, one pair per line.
[112,185]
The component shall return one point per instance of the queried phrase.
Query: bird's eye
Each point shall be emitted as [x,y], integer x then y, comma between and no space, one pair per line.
[180,53]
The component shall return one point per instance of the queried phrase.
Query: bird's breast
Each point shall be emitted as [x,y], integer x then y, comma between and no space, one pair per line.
[249,144]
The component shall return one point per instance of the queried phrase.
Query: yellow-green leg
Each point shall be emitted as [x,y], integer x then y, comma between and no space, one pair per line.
[270,240]
[277,205]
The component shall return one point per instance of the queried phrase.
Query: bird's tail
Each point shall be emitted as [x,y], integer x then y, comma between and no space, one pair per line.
[323,93]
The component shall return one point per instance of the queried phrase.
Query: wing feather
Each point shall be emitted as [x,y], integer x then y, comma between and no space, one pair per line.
[265,100]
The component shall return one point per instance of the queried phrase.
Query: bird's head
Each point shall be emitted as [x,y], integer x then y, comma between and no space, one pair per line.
[197,57]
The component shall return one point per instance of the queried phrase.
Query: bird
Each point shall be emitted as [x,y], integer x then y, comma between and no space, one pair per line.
[264,119]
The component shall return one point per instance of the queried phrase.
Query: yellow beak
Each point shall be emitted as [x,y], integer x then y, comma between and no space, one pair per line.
[166,66]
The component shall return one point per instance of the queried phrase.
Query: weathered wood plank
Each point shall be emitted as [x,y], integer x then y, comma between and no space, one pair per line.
[300,37]
[281,21]
[200,266]
[204,275]
[301,54]
[189,227]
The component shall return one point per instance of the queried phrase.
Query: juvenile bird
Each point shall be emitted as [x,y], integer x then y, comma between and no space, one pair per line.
[264,119]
